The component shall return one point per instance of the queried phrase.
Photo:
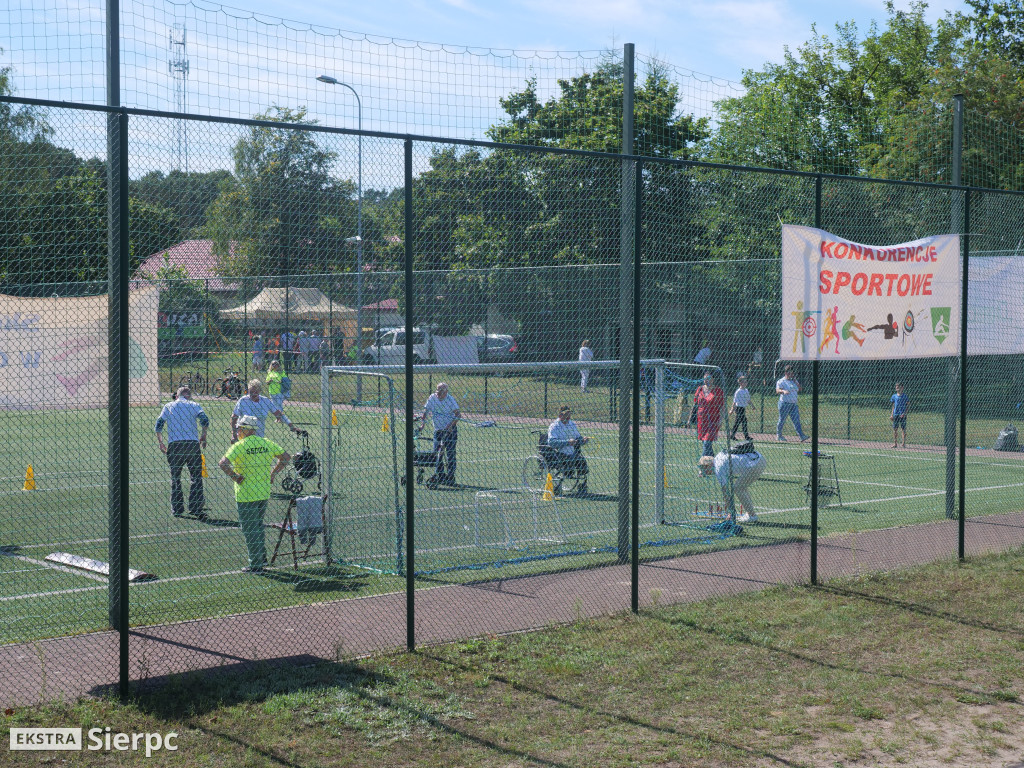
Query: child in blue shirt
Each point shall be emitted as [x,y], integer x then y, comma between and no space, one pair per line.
[898,417]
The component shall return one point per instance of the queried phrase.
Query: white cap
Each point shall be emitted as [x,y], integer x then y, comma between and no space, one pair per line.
[248,422]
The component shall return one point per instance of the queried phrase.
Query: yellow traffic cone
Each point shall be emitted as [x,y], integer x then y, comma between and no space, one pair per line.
[334,418]
[202,457]
[549,489]
[30,480]
[386,426]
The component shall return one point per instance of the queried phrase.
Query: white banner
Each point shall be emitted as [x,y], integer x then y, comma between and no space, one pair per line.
[848,301]
[53,351]
[994,327]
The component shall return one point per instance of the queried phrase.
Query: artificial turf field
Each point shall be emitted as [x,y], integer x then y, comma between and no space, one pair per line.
[473,532]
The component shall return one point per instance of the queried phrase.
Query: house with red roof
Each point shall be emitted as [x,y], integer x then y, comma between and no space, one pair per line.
[198,260]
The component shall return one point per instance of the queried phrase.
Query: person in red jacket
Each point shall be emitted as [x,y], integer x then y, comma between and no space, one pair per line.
[708,401]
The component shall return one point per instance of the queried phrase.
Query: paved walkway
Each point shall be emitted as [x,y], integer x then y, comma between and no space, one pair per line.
[71,667]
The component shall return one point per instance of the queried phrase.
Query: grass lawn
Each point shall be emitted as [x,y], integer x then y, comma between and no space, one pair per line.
[922,667]
[198,564]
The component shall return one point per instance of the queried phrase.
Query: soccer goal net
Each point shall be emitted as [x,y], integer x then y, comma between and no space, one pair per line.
[509,481]
[696,506]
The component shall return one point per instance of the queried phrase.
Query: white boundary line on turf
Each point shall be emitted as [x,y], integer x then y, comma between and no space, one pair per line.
[844,481]
[53,566]
[19,492]
[903,498]
[193,577]
[209,529]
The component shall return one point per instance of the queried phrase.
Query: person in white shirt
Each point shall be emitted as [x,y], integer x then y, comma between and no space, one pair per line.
[302,344]
[564,436]
[787,389]
[254,403]
[445,414]
[740,403]
[743,468]
[704,355]
[586,355]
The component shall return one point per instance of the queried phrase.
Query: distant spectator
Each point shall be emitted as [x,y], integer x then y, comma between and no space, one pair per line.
[704,355]
[787,388]
[740,404]
[302,345]
[586,355]
[257,352]
[898,416]
[709,400]
[314,350]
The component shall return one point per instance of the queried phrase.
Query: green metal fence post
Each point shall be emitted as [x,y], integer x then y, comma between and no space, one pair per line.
[815,387]
[964,283]
[634,525]
[410,495]
[625,301]
[949,421]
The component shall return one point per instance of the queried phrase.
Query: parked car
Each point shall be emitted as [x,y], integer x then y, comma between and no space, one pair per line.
[390,348]
[496,348]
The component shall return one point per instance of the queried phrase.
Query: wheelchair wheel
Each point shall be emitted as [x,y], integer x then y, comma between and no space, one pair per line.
[535,474]
[568,484]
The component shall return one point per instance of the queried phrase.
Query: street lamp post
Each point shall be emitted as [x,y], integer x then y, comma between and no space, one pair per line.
[359,229]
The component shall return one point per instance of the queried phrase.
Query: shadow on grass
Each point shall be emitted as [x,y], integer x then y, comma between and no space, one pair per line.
[194,694]
[921,610]
[739,636]
[588,706]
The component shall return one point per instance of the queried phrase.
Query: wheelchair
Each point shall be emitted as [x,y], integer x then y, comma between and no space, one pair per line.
[568,473]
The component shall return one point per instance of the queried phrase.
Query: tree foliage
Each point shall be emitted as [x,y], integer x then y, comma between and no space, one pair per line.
[282,208]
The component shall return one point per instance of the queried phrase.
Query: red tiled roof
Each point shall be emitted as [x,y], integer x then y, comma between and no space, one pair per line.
[198,259]
[388,305]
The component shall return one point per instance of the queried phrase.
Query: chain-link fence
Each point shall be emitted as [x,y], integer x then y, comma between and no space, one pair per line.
[551,478]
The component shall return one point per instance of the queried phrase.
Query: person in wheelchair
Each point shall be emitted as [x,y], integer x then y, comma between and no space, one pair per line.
[565,449]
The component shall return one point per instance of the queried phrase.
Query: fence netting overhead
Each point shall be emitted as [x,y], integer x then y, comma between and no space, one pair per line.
[207,58]
[280,280]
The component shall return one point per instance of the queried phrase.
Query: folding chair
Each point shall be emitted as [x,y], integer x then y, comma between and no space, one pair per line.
[303,520]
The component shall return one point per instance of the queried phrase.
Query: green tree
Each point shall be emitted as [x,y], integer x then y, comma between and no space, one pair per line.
[187,195]
[282,208]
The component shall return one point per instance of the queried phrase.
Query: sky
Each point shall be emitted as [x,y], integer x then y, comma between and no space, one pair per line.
[425,67]
[721,38]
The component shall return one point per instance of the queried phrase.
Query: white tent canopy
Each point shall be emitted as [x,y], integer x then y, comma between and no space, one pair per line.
[303,304]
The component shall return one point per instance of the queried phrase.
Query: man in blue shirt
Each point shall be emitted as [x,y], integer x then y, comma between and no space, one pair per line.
[184,449]
[254,403]
[900,407]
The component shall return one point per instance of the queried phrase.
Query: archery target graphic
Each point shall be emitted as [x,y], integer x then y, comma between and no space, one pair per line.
[908,322]
[810,327]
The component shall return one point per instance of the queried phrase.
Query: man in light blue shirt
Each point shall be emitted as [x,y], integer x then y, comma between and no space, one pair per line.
[787,388]
[184,449]
[254,403]
[564,436]
[445,414]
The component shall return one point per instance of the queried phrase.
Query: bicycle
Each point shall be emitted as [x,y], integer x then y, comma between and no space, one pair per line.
[230,386]
[194,380]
